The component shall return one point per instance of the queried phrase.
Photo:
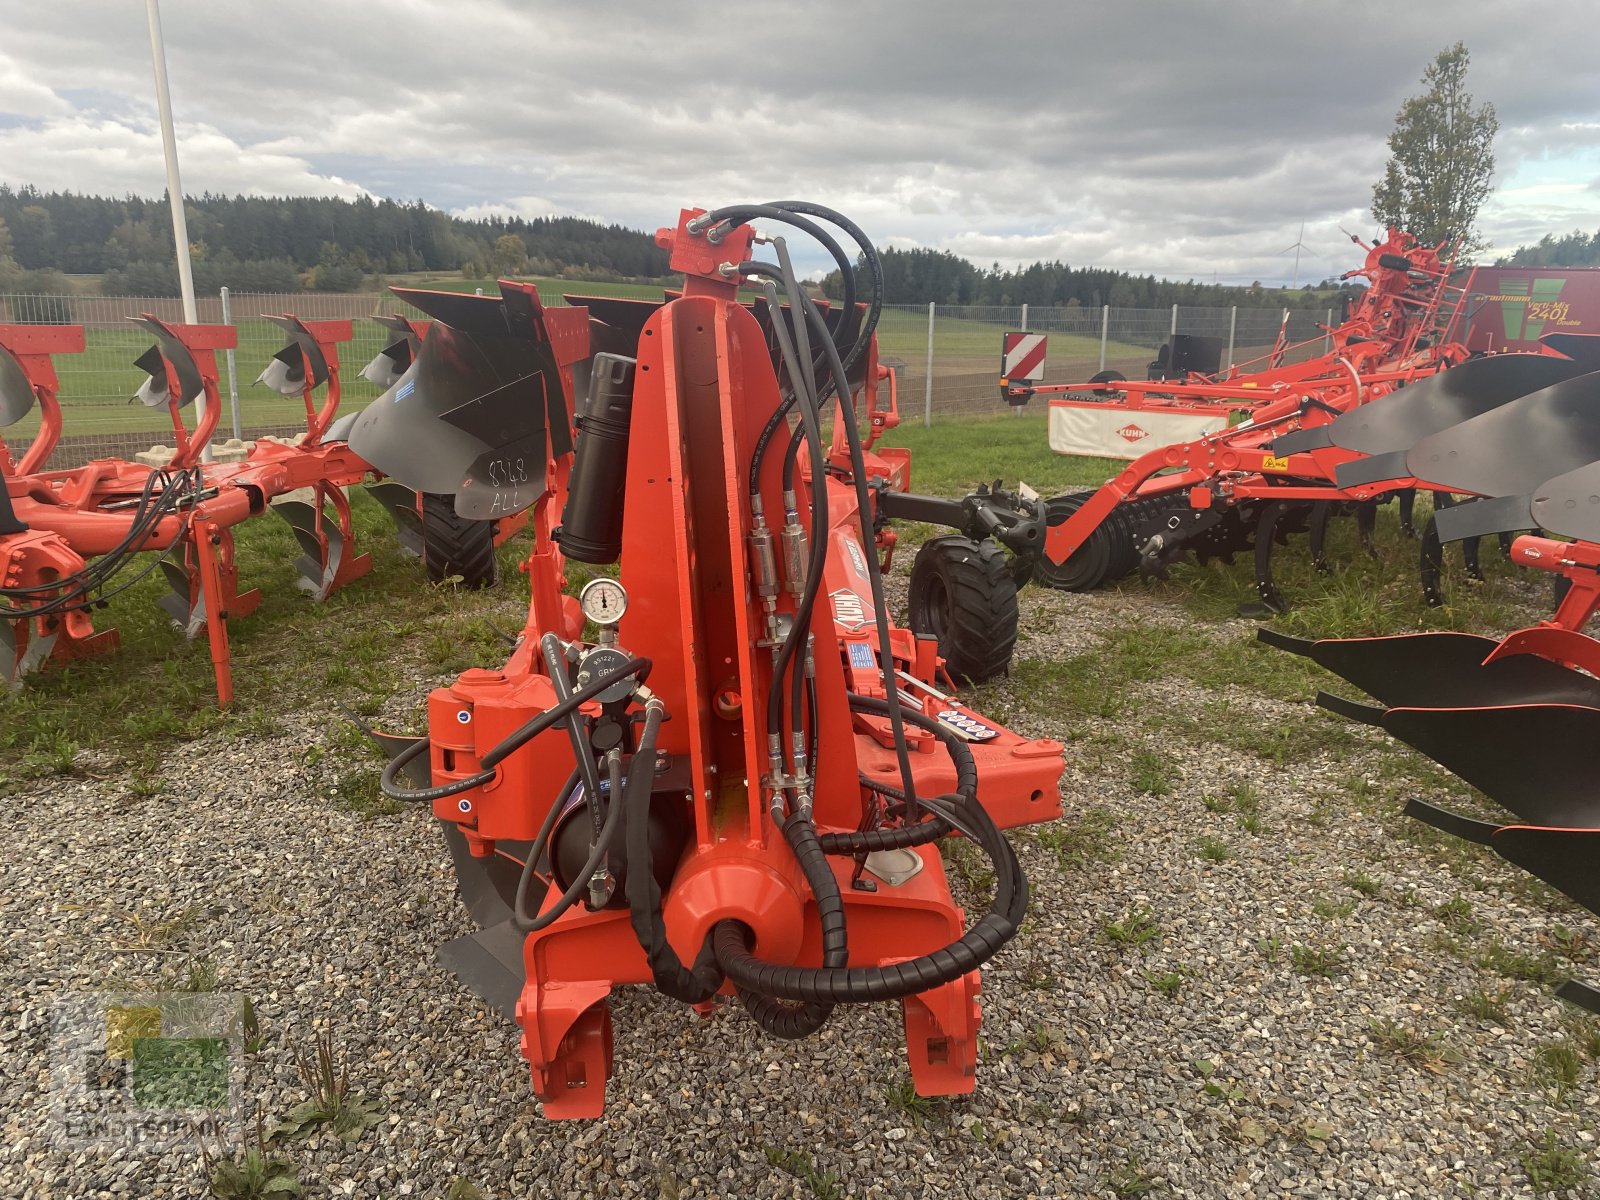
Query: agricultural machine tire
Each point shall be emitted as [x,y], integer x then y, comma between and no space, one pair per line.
[1107,377]
[455,546]
[962,593]
[1089,565]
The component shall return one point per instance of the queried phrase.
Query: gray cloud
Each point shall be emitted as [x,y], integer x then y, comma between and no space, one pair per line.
[1161,137]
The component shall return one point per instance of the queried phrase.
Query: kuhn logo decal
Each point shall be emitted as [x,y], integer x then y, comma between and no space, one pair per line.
[849,609]
[1131,432]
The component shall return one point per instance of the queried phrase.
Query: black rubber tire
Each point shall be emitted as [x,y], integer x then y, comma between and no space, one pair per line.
[455,547]
[1107,377]
[1088,567]
[962,593]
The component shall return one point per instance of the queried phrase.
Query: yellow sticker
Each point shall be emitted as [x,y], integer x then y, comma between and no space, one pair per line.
[1274,464]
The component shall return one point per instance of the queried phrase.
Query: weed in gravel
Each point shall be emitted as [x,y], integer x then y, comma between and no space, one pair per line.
[1087,840]
[823,1184]
[154,933]
[1556,1066]
[250,1027]
[1131,1179]
[461,1189]
[1568,943]
[143,786]
[1484,1007]
[1586,1036]
[1552,1167]
[1330,909]
[326,1077]
[903,1098]
[249,1174]
[1251,824]
[1215,803]
[1152,773]
[1428,1051]
[1317,960]
[1513,964]
[1137,928]
[1455,914]
[1168,983]
[1037,973]
[199,975]
[357,791]
[1271,948]
[968,863]
[1214,849]
[1360,881]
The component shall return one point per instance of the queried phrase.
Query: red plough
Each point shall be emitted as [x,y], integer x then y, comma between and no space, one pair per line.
[757,764]
[65,535]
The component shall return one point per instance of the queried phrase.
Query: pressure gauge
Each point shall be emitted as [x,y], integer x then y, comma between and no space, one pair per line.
[603,600]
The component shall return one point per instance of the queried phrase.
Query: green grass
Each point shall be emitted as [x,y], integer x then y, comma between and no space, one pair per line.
[156,690]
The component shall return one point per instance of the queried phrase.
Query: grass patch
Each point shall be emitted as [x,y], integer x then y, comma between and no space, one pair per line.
[1486,1007]
[822,1184]
[1214,849]
[1326,961]
[1429,1051]
[1137,928]
[1553,1167]
[1089,839]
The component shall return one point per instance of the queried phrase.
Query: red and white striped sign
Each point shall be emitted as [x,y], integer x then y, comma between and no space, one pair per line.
[1023,357]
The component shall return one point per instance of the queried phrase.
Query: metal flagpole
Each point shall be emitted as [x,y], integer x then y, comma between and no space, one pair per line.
[180,223]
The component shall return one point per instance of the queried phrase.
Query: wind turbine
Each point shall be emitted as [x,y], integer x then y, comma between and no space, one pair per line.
[1298,246]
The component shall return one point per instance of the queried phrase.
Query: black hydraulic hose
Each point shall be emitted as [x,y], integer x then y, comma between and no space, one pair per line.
[512,741]
[858,468]
[74,593]
[819,520]
[860,985]
[794,212]
[922,832]
[672,978]
[869,255]
[580,881]
[800,1020]
[556,664]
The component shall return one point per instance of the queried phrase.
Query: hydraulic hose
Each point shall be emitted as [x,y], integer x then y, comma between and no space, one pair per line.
[516,738]
[861,985]
[800,1020]
[672,978]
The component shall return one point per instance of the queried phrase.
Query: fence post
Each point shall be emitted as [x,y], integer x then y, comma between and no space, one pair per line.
[1327,337]
[927,399]
[1105,328]
[233,375]
[1233,327]
[1016,410]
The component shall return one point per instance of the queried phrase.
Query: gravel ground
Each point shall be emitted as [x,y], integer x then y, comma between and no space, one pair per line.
[1203,1062]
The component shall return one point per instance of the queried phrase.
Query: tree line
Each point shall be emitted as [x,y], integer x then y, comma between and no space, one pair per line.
[1576,249]
[919,276]
[283,243]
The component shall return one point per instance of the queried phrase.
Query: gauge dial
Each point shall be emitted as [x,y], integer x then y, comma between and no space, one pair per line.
[603,601]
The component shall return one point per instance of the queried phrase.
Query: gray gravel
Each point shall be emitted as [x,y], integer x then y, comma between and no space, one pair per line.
[1091,1077]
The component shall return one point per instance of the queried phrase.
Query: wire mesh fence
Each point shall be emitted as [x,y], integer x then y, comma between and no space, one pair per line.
[946,357]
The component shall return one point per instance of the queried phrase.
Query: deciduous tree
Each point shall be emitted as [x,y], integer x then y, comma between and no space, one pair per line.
[1441,158]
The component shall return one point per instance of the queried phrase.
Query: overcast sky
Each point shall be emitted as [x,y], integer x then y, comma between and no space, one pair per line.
[1151,137]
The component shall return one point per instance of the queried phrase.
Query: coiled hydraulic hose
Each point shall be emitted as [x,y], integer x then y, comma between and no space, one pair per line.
[518,737]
